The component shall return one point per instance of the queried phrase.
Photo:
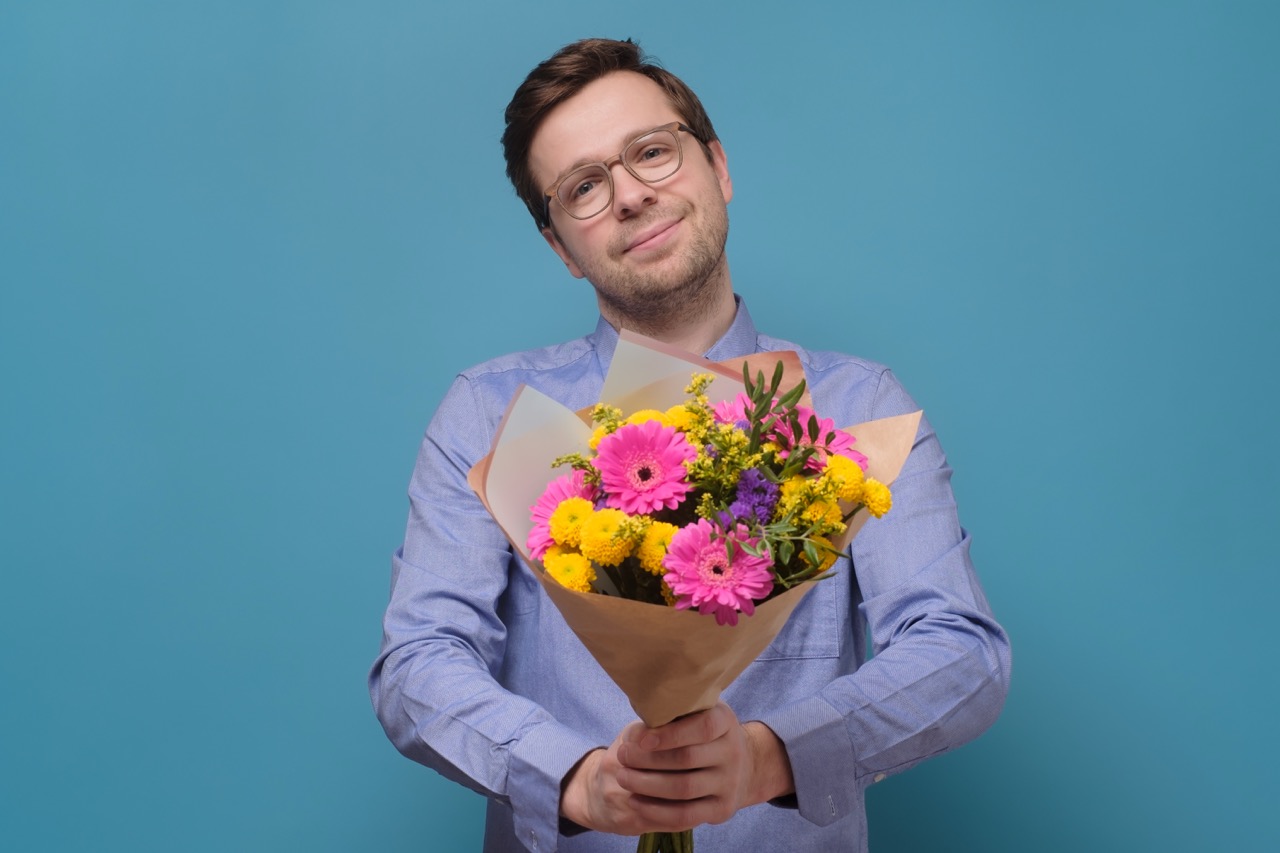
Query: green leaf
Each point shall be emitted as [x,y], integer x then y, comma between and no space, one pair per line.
[793,396]
[811,553]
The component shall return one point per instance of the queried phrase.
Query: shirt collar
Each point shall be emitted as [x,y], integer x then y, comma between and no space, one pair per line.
[738,340]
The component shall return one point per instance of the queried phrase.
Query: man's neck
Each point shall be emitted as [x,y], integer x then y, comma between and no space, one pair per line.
[694,328]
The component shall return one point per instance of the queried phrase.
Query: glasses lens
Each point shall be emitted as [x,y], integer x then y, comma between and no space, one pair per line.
[585,192]
[653,156]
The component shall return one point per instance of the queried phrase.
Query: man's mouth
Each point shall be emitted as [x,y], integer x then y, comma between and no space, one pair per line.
[652,237]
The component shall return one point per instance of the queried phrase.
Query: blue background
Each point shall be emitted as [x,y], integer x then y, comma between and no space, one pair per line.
[245,245]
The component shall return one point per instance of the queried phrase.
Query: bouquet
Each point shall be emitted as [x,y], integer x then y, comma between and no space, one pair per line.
[707,507]
[721,494]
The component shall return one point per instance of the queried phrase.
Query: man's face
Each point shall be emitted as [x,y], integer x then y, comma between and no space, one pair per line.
[657,245]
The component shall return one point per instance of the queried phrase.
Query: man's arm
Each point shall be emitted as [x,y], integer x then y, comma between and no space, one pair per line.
[940,671]
[433,684]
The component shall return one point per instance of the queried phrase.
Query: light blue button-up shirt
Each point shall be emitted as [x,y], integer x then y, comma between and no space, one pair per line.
[480,678]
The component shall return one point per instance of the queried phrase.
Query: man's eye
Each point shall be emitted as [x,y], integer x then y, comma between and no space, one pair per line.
[583,189]
[654,152]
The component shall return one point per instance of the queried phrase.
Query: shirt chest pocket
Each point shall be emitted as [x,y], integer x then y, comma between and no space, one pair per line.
[820,625]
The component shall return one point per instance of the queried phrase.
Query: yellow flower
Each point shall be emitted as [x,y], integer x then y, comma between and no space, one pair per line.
[791,496]
[825,512]
[654,546]
[604,537]
[569,568]
[847,476]
[603,413]
[678,417]
[645,415]
[597,434]
[876,497]
[565,523]
[698,383]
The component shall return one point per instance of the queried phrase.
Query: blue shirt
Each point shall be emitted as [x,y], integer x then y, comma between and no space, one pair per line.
[480,678]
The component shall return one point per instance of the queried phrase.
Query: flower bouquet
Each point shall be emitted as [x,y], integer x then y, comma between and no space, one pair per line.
[697,490]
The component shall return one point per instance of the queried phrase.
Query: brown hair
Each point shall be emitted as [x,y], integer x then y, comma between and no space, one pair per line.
[561,77]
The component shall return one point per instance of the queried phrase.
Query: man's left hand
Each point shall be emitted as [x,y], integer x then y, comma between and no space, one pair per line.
[701,768]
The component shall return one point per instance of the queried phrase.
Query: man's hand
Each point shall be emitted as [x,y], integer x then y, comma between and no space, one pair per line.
[698,769]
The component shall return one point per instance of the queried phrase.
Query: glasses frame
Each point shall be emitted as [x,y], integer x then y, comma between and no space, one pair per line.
[553,192]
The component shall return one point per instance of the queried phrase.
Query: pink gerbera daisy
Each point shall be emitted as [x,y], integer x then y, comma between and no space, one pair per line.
[642,467]
[560,489]
[831,441]
[703,573]
[732,411]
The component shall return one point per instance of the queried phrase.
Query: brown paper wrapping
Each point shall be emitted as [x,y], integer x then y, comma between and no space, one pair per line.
[668,662]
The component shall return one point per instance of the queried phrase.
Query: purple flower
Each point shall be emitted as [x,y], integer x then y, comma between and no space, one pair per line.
[755,498]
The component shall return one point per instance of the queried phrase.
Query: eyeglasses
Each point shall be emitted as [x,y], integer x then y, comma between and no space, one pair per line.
[650,158]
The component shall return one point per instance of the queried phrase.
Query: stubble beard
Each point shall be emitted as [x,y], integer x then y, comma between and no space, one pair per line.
[650,303]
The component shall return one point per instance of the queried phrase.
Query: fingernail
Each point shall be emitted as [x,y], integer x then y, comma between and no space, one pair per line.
[650,742]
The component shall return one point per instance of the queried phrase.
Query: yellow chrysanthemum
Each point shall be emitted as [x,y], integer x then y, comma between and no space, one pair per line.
[646,415]
[597,434]
[654,546]
[565,523]
[604,537]
[826,513]
[876,497]
[847,476]
[569,568]
[678,417]
[667,595]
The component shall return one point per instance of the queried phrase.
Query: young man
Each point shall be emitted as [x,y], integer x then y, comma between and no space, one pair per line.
[480,678]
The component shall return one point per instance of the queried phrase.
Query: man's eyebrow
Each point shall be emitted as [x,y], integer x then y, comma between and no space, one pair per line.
[627,139]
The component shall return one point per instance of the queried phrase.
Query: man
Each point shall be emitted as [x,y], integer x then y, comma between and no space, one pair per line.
[480,678]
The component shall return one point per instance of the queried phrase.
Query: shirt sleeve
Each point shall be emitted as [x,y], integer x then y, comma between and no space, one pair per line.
[434,684]
[939,672]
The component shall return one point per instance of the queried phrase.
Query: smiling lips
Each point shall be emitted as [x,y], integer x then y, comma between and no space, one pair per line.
[652,237]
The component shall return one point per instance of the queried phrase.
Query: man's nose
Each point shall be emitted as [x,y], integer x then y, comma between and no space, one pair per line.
[630,194]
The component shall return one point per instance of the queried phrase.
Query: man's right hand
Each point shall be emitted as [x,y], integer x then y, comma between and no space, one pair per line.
[701,768]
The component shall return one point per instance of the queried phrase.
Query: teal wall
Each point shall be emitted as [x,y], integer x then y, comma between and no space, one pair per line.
[244,246]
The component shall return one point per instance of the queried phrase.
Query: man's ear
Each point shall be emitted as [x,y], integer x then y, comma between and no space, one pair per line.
[720,164]
[556,246]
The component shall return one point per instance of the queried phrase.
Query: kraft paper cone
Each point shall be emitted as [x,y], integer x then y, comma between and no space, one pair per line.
[667,662]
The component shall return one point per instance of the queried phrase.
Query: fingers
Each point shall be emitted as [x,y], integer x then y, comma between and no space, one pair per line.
[692,729]
[594,798]
[691,771]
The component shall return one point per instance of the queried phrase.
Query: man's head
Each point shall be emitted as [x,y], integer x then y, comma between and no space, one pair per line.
[566,74]
[638,211]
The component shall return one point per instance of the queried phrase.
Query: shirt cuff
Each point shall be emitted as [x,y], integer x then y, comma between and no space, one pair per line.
[539,762]
[823,762]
